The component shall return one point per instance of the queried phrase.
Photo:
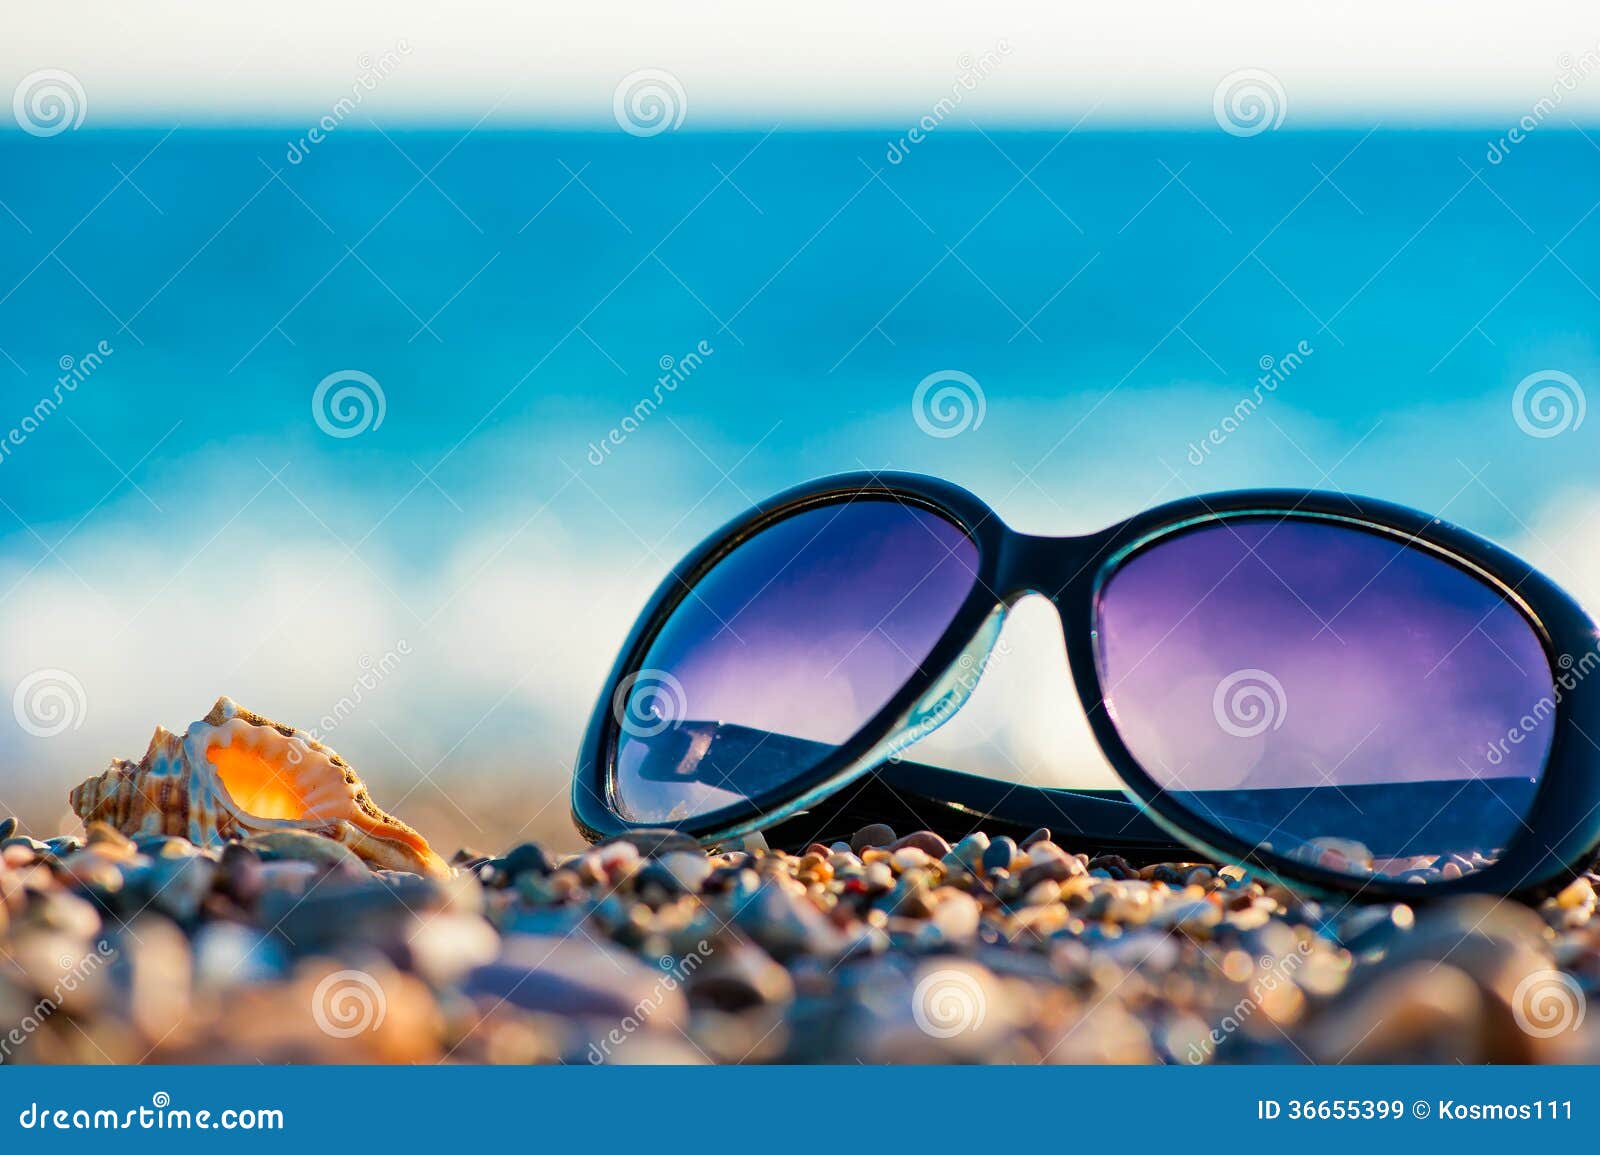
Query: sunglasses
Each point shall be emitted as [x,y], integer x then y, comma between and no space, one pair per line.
[1336,691]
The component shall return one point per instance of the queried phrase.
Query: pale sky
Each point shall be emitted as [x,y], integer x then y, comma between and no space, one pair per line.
[821,63]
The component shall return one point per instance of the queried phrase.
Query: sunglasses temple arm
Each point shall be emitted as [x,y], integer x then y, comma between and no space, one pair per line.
[911,796]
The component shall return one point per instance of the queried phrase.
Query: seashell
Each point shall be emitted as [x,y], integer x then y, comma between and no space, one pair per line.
[235,773]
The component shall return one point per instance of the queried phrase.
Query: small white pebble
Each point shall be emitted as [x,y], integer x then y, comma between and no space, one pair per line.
[910,858]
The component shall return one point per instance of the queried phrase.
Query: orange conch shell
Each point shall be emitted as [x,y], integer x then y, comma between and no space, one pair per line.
[237,773]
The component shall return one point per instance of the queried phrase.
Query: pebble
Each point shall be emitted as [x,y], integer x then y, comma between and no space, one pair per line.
[99,870]
[529,858]
[955,914]
[228,955]
[179,885]
[337,910]
[302,846]
[164,846]
[910,858]
[877,835]
[999,854]
[151,975]
[239,873]
[738,975]
[1048,861]
[946,1009]
[1374,928]
[924,840]
[1578,894]
[1418,1014]
[578,977]
[613,860]
[650,843]
[884,947]
[63,911]
[445,946]
[1042,893]
[968,853]
[1194,915]
[786,924]
[689,868]
[674,874]
[109,838]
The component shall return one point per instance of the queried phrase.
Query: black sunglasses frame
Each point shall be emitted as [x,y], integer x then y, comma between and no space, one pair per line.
[853,785]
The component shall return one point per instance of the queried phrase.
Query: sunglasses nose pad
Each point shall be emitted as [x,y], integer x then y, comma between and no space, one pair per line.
[951,691]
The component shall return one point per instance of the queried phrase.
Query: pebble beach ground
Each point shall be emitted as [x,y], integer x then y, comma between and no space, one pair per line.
[891,948]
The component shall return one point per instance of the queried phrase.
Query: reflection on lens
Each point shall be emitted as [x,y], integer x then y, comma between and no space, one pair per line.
[1329,693]
[783,651]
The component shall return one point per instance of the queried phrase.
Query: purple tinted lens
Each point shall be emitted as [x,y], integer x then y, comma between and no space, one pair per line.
[1329,692]
[783,651]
